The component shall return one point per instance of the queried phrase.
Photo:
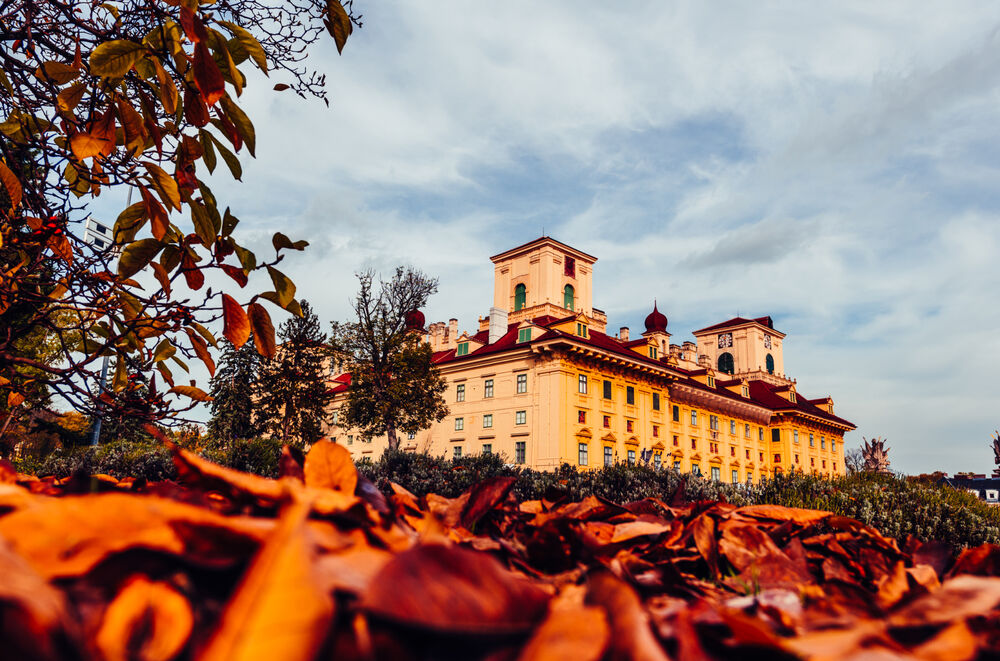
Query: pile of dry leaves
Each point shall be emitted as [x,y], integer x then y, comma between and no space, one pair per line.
[320,565]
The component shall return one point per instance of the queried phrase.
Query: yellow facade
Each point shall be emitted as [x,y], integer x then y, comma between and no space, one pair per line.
[542,383]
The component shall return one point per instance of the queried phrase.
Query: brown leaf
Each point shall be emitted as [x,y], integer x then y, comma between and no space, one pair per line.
[290,463]
[34,613]
[958,598]
[338,23]
[981,561]
[207,76]
[779,513]
[329,466]
[450,589]
[147,621]
[263,330]
[631,636]
[11,185]
[279,611]
[236,324]
[483,497]
[579,634]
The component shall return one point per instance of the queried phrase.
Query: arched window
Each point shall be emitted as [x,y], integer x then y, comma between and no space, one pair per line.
[726,364]
[519,294]
[769,363]
[568,297]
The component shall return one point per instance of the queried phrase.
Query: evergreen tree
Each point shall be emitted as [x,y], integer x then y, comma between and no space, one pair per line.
[293,396]
[232,389]
[394,384]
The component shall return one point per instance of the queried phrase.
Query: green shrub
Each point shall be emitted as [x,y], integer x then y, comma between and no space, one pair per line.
[258,455]
[119,460]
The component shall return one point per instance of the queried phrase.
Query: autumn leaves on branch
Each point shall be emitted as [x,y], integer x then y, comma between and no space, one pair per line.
[141,95]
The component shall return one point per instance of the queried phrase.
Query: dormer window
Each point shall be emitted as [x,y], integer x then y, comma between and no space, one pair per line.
[581,329]
[524,335]
[463,349]
[711,382]
[746,390]
[652,352]
[791,396]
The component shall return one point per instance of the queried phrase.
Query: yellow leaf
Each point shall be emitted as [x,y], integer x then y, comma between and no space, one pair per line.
[282,285]
[87,145]
[70,97]
[338,23]
[249,43]
[57,72]
[197,394]
[242,123]
[329,466]
[12,185]
[163,351]
[14,399]
[164,184]
[115,58]
[137,255]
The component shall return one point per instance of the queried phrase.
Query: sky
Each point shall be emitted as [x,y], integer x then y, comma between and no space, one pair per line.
[833,166]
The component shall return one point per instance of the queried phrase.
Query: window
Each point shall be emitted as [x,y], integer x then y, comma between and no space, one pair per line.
[746,431]
[656,401]
[822,443]
[716,473]
[736,477]
[677,413]
[463,349]
[524,335]
[581,329]
[746,391]
[568,297]
[336,417]
[760,433]
[812,461]
[748,455]
[581,385]
[777,458]
[487,448]
[824,463]
[520,293]
[628,426]
[694,444]
[713,422]
[726,365]
[581,417]
[796,458]
[694,417]
[795,436]
[656,461]
[522,383]
[711,382]
[631,457]
[460,392]
[677,441]
[769,364]
[520,417]
[732,450]
[608,456]
[488,388]
[732,427]
[629,395]
[833,445]
[581,457]
[487,421]
[791,396]
[695,469]
[458,451]
[569,267]
[652,352]
[350,439]
[411,436]
[459,424]
[677,465]
[519,452]
[607,421]
[775,435]
[761,456]
[656,431]
[607,390]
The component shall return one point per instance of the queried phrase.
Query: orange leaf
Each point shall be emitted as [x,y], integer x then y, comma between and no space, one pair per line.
[329,466]
[236,324]
[263,330]
[14,399]
[153,616]
[200,347]
[195,110]
[579,634]
[279,610]
[12,185]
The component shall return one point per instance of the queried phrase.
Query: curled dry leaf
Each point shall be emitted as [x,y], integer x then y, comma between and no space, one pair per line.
[147,621]
[329,466]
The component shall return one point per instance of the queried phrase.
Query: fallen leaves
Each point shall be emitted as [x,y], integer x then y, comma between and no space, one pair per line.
[319,564]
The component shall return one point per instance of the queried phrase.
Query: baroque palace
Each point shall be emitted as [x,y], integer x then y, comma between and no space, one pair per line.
[544,383]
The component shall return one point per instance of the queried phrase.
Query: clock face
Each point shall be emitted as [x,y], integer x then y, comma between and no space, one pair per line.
[725,340]
[767,341]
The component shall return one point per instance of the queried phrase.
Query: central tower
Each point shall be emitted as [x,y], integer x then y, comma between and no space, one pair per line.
[544,277]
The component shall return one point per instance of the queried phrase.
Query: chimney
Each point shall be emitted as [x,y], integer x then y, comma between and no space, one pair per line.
[452,330]
[498,324]
[623,333]
[704,361]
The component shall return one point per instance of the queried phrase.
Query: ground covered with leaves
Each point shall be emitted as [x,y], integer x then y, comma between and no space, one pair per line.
[320,564]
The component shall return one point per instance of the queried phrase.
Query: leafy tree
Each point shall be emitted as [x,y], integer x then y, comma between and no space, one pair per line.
[292,395]
[233,386]
[140,94]
[394,384]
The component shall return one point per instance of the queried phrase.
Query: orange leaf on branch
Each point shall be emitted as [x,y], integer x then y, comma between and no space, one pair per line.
[263,330]
[236,323]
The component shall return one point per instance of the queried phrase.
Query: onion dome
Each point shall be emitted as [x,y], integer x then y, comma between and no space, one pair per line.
[414,320]
[656,321]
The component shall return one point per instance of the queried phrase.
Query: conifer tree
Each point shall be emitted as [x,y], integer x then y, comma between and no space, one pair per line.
[394,384]
[233,408]
[293,396]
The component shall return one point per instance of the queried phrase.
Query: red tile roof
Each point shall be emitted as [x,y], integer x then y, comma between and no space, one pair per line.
[738,321]
[767,395]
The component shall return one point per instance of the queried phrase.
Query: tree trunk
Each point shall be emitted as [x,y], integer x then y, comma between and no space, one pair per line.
[390,432]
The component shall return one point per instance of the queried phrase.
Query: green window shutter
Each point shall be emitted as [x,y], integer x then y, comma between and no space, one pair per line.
[568,296]
[520,293]
[769,363]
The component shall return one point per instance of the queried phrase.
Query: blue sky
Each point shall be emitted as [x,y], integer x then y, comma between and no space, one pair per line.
[835,167]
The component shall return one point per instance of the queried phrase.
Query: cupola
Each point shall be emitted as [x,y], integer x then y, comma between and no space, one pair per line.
[656,321]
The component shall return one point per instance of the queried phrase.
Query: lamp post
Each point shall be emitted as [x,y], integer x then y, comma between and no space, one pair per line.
[102,237]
